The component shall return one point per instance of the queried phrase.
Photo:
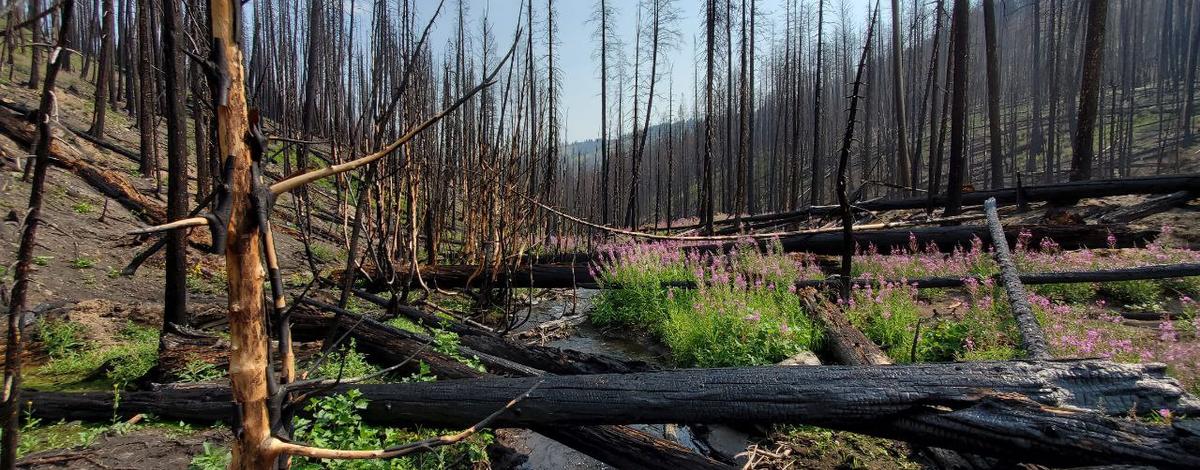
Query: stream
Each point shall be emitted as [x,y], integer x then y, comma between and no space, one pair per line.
[546,454]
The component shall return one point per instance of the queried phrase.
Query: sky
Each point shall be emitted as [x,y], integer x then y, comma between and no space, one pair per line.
[575,47]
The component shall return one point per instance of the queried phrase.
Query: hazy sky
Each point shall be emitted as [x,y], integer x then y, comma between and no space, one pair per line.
[575,47]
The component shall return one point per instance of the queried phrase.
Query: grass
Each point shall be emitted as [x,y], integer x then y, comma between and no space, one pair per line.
[77,362]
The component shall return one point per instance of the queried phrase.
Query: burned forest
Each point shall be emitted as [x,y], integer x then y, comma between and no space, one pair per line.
[634,234]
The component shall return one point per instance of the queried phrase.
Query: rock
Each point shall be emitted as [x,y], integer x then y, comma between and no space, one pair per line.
[803,358]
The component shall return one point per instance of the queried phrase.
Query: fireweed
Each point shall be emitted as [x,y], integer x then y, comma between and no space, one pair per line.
[742,311]
[892,316]
[1096,331]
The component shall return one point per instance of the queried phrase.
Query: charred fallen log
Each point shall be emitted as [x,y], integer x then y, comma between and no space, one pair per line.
[110,183]
[616,445]
[1039,410]
[1033,340]
[393,344]
[1149,207]
[946,239]
[1071,191]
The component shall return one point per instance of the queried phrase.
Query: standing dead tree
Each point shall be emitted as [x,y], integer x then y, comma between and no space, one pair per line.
[1089,89]
[14,339]
[844,159]
[240,226]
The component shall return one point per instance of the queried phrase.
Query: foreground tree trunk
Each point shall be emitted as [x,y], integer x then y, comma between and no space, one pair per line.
[958,108]
[993,88]
[14,340]
[248,335]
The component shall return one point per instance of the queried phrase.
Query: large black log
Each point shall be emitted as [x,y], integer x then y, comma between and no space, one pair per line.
[1040,411]
[1071,191]
[619,446]
[948,238]
[391,344]
[550,276]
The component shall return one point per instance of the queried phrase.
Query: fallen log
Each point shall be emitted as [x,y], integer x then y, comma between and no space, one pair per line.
[948,238]
[1149,207]
[616,445]
[551,276]
[1070,191]
[393,344]
[1033,340]
[1041,411]
[108,182]
[849,346]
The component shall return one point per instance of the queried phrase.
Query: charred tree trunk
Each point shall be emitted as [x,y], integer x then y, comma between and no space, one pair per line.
[958,109]
[14,340]
[1089,89]
[104,72]
[175,295]
[996,156]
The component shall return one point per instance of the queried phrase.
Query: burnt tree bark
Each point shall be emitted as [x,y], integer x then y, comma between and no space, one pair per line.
[1051,412]
[104,71]
[1089,89]
[14,341]
[175,290]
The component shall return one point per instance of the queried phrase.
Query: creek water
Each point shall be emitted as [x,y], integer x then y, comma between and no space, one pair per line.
[546,454]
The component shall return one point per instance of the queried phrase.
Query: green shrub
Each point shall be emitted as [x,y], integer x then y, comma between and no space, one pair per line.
[213,457]
[1189,286]
[125,362]
[197,370]
[1135,292]
[346,363]
[630,305]
[336,422]
[716,327]
[60,338]
[1078,293]
[83,207]
[42,260]
[83,262]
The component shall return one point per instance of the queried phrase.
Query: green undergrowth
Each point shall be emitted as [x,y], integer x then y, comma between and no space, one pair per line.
[38,435]
[813,447]
[75,362]
[742,311]
[336,422]
[909,330]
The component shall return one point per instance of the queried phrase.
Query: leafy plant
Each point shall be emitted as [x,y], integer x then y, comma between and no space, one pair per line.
[347,362]
[213,457]
[1135,292]
[42,260]
[123,363]
[60,338]
[83,207]
[336,422]
[83,262]
[197,370]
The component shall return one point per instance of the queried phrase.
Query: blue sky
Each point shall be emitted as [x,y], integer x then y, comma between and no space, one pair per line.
[575,46]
